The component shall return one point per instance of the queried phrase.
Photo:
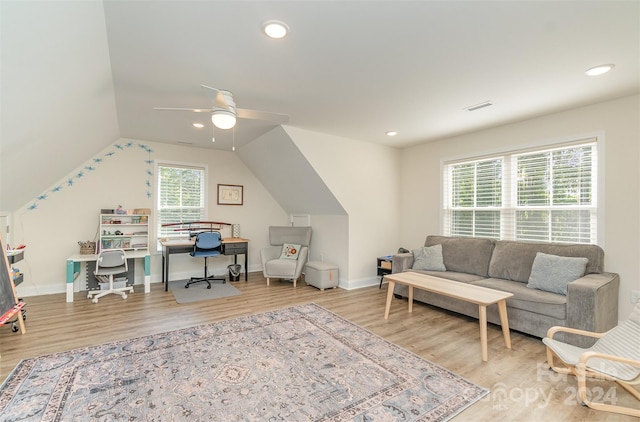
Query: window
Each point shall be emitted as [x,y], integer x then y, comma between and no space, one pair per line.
[544,195]
[181,196]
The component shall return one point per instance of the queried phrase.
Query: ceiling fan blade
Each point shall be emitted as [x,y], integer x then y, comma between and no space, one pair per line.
[195,110]
[278,118]
[217,96]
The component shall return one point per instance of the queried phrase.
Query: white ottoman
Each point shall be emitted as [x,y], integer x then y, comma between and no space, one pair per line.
[321,275]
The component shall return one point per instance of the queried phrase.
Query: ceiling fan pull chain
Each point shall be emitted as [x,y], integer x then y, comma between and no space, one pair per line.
[233,134]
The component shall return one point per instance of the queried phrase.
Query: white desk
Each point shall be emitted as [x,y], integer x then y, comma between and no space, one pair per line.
[74,262]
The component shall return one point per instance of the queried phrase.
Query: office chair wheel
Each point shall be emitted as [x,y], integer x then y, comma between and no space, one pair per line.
[124,296]
[209,286]
[95,300]
[14,328]
[186,286]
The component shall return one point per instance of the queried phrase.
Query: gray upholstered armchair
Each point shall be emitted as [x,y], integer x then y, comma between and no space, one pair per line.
[288,253]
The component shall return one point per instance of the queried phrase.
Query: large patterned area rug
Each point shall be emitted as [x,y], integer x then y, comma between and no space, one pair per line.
[295,364]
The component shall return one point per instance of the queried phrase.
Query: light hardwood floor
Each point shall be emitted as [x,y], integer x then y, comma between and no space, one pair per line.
[522,387]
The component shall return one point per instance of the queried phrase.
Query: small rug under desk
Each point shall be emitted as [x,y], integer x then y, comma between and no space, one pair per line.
[198,291]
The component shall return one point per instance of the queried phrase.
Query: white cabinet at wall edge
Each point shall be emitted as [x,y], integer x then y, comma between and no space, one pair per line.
[124,231]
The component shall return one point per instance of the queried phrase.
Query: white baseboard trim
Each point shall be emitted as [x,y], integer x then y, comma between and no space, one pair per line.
[359,283]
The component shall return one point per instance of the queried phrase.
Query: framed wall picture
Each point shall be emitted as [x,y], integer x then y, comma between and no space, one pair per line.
[230,194]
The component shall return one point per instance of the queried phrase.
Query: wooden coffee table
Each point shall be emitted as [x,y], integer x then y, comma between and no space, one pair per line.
[481,296]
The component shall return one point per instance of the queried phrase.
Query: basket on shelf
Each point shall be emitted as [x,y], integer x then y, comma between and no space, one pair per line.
[87,248]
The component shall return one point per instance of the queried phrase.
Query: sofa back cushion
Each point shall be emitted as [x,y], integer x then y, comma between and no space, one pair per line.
[464,254]
[513,260]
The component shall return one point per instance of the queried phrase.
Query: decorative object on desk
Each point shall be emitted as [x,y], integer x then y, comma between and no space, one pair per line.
[87,248]
[199,292]
[120,210]
[235,230]
[146,378]
[230,194]
[143,211]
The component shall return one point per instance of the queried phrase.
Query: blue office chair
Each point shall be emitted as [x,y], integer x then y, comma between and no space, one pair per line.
[207,244]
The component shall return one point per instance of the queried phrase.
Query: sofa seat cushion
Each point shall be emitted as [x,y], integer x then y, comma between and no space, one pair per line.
[451,275]
[526,299]
[281,267]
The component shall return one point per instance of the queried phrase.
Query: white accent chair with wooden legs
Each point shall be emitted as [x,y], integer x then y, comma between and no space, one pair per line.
[615,356]
[288,253]
[110,262]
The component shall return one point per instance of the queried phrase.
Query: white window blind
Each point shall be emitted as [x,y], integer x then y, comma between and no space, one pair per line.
[181,196]
[473,198]
[545,195]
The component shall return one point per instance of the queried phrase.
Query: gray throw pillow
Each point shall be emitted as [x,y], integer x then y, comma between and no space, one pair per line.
[552,273]
[428,258]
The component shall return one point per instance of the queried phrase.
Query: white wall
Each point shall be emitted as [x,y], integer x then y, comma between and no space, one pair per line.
[52,225]
[364,179]
[619,120]
[330,241]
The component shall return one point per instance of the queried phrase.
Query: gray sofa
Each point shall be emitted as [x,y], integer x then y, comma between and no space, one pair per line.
[591,302]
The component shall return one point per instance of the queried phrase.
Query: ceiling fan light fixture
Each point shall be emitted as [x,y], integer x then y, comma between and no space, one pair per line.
[198,125]
[223,119]
[275,29]
[599,70]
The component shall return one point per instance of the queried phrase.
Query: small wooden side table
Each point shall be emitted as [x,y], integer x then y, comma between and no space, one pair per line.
[385,264]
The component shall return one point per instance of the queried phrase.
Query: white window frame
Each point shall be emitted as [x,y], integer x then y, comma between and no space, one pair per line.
[205,195]
[507,232]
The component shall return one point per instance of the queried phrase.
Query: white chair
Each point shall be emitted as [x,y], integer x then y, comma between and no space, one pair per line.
[110,262]
[615,356]
[274,265]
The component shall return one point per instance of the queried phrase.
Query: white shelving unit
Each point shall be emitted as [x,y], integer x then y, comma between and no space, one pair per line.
[125,231]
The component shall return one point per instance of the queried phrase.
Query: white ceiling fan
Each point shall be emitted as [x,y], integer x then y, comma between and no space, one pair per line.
[224,111]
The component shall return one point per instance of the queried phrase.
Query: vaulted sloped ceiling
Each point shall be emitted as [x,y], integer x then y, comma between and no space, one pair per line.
[288,176]
[57,98]
[78,75]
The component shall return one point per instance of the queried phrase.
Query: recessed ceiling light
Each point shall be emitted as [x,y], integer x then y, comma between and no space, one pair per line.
[392,133]
[275,29]
[198,125]
[479,106]
[599,70]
